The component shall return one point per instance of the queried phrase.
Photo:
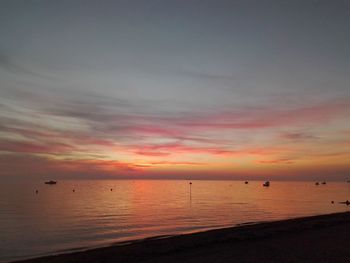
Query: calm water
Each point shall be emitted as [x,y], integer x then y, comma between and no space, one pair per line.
[58,219]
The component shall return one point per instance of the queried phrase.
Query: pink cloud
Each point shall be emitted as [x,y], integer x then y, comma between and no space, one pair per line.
[268,117]
[278,161]
[170,148]
[193,134]
[176,163]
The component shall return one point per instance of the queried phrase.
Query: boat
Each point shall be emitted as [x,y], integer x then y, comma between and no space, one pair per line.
[317,183]
[50,182]
[267,183]
[246,182]
[324,182]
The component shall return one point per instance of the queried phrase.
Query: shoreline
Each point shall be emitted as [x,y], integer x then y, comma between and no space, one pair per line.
[321,238]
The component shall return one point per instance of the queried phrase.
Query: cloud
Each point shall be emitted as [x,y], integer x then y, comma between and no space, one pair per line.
[298,136]
[32,147]
[278,161]
[260,118]
[178,148]
[9,64]
[36,165]
[176,163]
[207,75]
[98,129]
[191,132]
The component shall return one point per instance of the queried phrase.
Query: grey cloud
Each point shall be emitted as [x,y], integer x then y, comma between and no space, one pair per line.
[8,63]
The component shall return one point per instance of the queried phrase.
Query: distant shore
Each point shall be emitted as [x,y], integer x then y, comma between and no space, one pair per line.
[324,238]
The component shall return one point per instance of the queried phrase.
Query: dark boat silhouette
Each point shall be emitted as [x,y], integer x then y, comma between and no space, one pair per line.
[324,182]
[50,182]
[246,182]
[266,184]
[317,183]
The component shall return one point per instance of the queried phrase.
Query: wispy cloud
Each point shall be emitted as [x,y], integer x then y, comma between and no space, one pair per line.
[81,128]
[31,147]
[298,136]
[278,161]
[8,63]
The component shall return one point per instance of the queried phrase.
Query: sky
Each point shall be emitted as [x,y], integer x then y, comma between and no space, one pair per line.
[175,89]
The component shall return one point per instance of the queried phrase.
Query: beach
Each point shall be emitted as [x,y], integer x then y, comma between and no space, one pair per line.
[323,238]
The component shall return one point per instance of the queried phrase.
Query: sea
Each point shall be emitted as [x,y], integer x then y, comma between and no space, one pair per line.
[79,214]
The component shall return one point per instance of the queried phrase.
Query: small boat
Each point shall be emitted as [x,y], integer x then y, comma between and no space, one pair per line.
[50,182]
[246,182]
[266,184]
[324,182]
[317,183]
[347,202]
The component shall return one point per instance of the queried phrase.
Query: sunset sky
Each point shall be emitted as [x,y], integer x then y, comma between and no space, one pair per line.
[175,89]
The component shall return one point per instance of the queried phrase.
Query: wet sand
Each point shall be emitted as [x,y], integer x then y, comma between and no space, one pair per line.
[323,238]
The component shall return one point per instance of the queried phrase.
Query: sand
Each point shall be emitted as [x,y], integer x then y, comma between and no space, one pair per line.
[323,238]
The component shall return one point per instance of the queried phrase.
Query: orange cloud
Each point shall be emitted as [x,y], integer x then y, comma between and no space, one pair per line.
[167,140]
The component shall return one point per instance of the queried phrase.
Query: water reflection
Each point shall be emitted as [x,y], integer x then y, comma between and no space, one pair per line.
[58,218]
